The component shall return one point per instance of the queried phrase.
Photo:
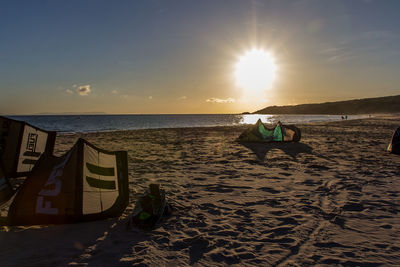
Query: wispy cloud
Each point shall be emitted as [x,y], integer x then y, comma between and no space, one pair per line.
[360,45]
[221,101]
[331,50]
[336,54]
[69,91]
[337,58]
[340,53]
[378,35]
[182,98]
[340,57]
[150,97]
[83,90]
[114,92]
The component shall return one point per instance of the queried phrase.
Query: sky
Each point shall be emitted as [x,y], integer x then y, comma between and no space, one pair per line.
[179,56]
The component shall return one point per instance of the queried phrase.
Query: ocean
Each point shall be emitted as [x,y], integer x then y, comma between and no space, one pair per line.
[100,123]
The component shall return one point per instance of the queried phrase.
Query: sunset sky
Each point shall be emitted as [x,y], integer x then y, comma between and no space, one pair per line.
[180,56]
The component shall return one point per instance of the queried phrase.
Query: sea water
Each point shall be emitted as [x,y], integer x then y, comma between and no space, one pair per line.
[99,123]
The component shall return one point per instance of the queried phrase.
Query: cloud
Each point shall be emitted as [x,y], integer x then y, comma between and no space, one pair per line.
[69,91]
[221,101]
[340,57]
[378,35]
[337,54]
[150,97]
[83,90]
[331,50]
[368,38]
[182,98]
[114,92]
[361,45]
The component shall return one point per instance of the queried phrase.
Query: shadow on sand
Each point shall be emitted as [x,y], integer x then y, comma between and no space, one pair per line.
[79,243]
[291,149]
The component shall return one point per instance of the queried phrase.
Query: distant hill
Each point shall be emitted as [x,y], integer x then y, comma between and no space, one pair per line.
[387,104]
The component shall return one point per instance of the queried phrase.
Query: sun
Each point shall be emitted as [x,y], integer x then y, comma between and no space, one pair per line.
[255,70]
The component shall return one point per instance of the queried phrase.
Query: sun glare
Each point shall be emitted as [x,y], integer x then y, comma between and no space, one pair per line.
[255,70]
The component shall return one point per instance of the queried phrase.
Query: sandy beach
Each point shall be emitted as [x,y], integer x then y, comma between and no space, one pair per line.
[332,198]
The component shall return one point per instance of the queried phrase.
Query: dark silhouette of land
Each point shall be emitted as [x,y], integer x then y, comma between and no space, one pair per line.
[387,104]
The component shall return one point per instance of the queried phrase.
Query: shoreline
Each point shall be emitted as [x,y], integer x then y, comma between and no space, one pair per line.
[388,116]
[66,125]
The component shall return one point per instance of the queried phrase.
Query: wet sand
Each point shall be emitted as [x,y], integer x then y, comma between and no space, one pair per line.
[332,198]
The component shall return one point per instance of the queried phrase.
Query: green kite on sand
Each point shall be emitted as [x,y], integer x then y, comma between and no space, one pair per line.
[278,133]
